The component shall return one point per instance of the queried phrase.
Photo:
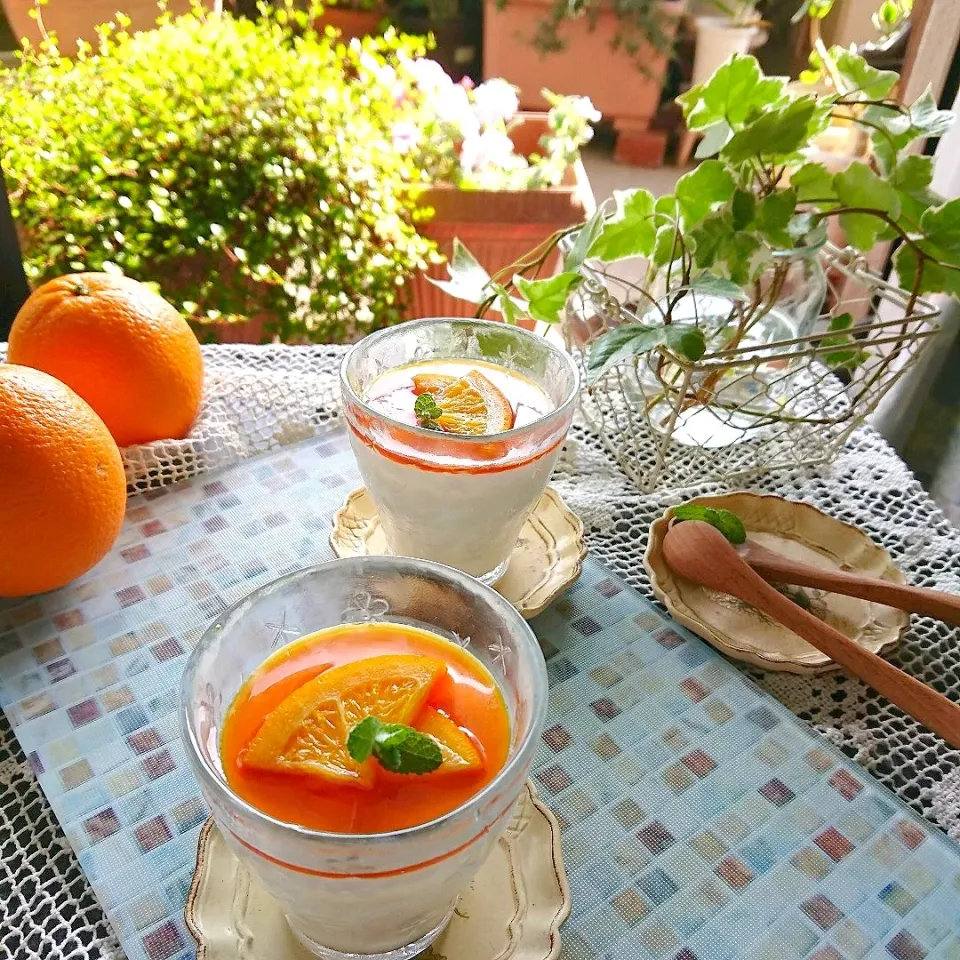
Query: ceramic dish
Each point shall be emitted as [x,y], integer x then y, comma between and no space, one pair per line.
[547,559]
[801,532]
[512,911]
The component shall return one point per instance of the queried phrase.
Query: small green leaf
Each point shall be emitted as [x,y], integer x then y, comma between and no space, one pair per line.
[733,91]
[843,321]
[702,190]
[632,340]
[859,76]
[691,343]
[547,298]
[425,409]
[859,186]
[631,233]
[395,746]
[711,284]
[726,521]
[468,279]
[779,133]
[361,738]
[714,139]
[813,183]
[743,206]
[586,236]
[773,216]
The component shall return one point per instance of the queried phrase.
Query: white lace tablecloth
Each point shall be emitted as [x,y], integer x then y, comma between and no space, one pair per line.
[263,397]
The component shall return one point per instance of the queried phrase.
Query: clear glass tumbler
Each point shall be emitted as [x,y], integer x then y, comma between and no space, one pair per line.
[459,500]
[374,896]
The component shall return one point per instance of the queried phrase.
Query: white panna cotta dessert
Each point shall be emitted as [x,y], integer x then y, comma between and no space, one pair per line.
[456,451]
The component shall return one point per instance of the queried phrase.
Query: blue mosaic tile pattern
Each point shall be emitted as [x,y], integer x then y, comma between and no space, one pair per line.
[701,820]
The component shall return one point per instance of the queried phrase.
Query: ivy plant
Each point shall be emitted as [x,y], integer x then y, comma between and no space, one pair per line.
[209,156]
[754,195]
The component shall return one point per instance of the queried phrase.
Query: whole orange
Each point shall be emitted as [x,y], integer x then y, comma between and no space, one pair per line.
[118,344]
[62,489]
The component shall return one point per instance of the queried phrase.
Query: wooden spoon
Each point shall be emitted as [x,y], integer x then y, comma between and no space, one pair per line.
[699,552]
[773,566]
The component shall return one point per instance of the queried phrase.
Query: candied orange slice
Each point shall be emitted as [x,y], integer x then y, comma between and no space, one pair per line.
[473,405]
[459,753]
[307,732]
[432,383]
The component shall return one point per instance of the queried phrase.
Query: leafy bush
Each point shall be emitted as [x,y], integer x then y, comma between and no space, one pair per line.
[245,167]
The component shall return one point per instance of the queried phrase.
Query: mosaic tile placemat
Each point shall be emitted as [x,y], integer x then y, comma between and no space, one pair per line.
[701,820]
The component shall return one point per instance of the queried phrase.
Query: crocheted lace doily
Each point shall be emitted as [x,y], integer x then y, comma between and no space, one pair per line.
[263,397]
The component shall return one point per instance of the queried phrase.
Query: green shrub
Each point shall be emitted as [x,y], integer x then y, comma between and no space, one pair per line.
[245,167]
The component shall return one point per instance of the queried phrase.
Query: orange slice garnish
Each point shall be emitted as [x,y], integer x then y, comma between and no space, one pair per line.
[473,405]
[459,753]
[432,383]
[307,733]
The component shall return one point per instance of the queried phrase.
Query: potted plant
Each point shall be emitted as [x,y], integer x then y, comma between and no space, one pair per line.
[733,29]
[73,20]
[212,167]
[560,45]
[497,178]
[729,259]
[354,18]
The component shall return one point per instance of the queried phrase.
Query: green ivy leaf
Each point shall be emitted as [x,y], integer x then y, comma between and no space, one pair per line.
[547,298]
[717,243]
[859,186]
[585,239]
[666,247]
[776,134]
[859,76]
[633,231]
[702,190]
[712,285]
[734,91]
[773,216]
[912,177]
[634,340]
[714,139]
[742,208]
[468,279]
[897,131]
[813,183]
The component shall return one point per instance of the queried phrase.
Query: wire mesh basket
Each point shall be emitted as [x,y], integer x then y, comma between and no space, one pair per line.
[753,408]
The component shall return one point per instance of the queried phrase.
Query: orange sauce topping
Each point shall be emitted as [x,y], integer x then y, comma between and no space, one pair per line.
[465,693]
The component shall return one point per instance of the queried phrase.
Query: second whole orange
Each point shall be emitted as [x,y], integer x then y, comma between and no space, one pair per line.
[120,346]
[62,488]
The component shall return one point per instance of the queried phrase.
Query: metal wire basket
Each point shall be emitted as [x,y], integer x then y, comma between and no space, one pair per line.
[755,408]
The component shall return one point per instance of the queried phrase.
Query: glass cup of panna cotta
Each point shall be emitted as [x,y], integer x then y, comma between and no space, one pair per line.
[456,426]
[366,852]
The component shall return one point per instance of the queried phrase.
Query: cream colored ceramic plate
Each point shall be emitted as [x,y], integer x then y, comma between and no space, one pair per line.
[512,911]
[801,532]
[547,559]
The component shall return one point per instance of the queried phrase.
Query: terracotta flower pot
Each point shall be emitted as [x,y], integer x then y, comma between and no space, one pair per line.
[586,65]
[497,226]
[352,23]
[76,19]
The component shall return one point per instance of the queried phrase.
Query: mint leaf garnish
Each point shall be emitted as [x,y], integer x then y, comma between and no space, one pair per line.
[726,521]
[360,741]
[395,746]
[426,410]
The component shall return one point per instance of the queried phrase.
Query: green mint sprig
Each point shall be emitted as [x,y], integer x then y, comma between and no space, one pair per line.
[726,521]
[427,411]
[395,746]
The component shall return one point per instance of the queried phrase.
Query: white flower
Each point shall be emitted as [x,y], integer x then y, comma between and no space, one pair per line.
[492,148]
[583,107]
[495,101]
[405,136]
[452,105]
[428,74]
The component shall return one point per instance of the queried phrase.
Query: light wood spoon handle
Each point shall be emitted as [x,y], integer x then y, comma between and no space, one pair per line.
[699,552]
[929,603]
